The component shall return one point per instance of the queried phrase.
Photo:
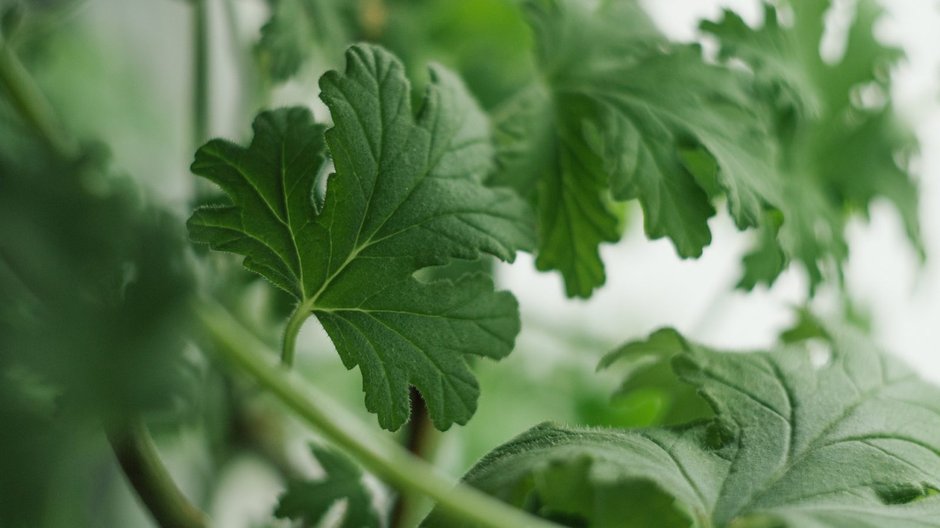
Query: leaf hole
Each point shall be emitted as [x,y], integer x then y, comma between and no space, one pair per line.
[820,353]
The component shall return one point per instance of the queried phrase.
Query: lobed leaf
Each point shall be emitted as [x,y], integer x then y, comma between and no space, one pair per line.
[407,194]
[839,152]
[626,115]
[310,501]
[795,441]
[297,29]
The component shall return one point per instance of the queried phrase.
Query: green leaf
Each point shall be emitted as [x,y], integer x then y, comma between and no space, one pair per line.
[309,501]
[94,321]
[297,29]
[840,138]
[797,440]
[625,114]
[94,284]
[646,369]
[407,194]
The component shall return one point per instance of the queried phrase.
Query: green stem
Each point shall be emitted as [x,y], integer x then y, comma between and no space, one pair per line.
[28,100]
[141,464]
[296,321]
[382,456]
[200,44]
[419,439]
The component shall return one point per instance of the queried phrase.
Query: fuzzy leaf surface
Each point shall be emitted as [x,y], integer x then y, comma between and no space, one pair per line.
[407,194]
[795,442]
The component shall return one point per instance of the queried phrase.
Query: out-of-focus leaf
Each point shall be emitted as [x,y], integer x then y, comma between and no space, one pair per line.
[647,372]
[843,147]
[301,29]
[93,321]
[309,501]
[624,114]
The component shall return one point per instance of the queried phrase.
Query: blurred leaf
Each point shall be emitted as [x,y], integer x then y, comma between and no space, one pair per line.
[299,29]
[309,501]
[97,285]
[843,146]
[406,195]
[849,443]
[486,41]
[93,323]
[648,374]
[625,114]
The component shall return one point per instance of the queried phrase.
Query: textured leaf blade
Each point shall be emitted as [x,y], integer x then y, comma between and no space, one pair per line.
[407,193]
[851,441]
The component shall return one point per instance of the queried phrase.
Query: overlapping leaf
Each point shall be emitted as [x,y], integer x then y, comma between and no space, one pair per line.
[94,320]
[310,501]
[626,115]
[798,440]
[298,30]
[840,138]
[407,194]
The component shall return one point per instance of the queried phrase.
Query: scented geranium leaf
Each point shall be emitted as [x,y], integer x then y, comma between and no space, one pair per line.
[626,115]
[407,194]
[842,144]
[309,501]
[847,441]
[570,187]
[646,369]
[298,29]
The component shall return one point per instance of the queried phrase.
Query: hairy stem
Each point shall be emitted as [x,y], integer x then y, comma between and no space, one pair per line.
[200,73]
[141,464]
[30,103]
[382,456]
[296,321]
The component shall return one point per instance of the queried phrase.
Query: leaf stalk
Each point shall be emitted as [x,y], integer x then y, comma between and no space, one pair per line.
[146,474]
[31,104]
[291,331]
[200,95]
[382,456]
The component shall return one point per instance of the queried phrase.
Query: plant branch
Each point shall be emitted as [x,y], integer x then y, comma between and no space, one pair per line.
[141,464]
[418,439]
[200,65]
[379,454]
[30,103]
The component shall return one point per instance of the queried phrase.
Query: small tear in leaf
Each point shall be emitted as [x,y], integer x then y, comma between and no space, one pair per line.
[318,192]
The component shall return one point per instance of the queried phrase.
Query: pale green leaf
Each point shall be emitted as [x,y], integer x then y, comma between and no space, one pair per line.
[841,140]
[797,440]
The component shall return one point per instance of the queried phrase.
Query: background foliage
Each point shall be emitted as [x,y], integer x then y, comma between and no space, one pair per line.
[651,129]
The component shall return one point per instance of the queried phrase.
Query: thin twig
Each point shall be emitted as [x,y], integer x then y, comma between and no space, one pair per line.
[146,474]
